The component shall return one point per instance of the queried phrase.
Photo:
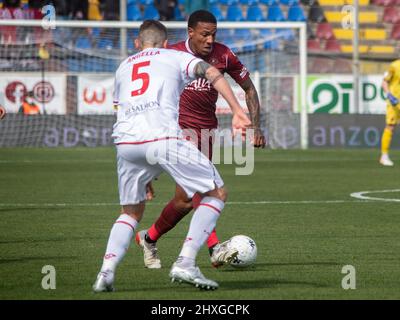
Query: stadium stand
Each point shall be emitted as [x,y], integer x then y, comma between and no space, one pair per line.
[150,12]
[391,15]
[234,13]
[313,45]
[296,13]
[379,31]
[316,14]
[332,45]
[254,13]
[133,12]
[324,31]
[395,35]
[178,14]
[275,13]
[216,11]
[269,2]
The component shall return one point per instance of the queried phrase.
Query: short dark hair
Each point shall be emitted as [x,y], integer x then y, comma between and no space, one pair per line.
[201,16]
[153,32]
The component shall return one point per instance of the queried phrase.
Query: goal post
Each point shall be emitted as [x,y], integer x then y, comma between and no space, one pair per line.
[82,54]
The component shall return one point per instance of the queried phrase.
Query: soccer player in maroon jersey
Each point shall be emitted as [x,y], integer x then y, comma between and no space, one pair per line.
[196,112]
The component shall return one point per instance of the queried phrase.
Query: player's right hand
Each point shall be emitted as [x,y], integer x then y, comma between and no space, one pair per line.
[393,100]
[240,122]
[258,140]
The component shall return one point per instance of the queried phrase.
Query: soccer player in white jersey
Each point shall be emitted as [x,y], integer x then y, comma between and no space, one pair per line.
[149,141]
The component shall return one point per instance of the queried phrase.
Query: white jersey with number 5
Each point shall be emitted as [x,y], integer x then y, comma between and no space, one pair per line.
[147,89]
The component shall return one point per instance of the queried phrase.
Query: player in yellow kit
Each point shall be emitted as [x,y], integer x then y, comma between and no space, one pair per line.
[391,87]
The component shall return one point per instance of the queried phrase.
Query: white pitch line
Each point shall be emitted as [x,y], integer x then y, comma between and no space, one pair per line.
[103,204]
[295,202]
[5,161]
[361,195]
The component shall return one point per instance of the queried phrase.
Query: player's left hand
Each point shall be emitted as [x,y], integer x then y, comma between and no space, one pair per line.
[258,140]
[150,195]
[2,112]
[240,122]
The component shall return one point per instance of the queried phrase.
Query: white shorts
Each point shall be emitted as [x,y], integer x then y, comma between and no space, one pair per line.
[138,164]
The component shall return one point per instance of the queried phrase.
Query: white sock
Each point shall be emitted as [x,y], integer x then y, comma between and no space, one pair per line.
[203,222]
[118,242]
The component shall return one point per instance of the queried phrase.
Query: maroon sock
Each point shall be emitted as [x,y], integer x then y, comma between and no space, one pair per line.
[168,219]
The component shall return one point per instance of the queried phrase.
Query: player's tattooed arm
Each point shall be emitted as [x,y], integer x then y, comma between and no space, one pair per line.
[205,70]
[253,104]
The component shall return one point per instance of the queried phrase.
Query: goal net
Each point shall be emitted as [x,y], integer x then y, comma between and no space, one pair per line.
[68,72]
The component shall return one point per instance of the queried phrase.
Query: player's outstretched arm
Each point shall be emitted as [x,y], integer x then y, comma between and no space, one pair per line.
[253,104]
[212,74]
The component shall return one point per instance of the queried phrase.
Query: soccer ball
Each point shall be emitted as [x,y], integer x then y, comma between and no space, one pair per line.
[247,251]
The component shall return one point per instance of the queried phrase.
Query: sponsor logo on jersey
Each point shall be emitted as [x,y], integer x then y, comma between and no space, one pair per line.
[244,72]
[142,107]
[200,84]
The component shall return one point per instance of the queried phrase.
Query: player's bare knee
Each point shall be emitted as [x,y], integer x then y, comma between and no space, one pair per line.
[219,193]
[223,194]
[134,211]
[183,205]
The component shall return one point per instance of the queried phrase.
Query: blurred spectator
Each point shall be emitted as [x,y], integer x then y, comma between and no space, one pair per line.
[191,6]
[166,9]
[78,9]
[37,4]
[61,8]
[94,10]
[11,3]
[29,106]
[111,10]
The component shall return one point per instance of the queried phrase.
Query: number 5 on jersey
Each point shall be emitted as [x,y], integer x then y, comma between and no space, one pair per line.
[137,75]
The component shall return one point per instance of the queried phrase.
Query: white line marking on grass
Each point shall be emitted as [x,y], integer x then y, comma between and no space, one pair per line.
[361,195]
[294,202]
[11,161]
[105,204]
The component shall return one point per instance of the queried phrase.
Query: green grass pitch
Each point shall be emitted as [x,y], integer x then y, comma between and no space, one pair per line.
[57,207]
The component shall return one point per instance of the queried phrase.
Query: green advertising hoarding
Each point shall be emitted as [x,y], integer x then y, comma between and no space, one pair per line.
[333,94]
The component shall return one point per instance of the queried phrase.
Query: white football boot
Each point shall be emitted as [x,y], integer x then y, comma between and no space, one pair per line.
[193,276]
[104,282]
[222,254]
[385,161]
[150,252]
